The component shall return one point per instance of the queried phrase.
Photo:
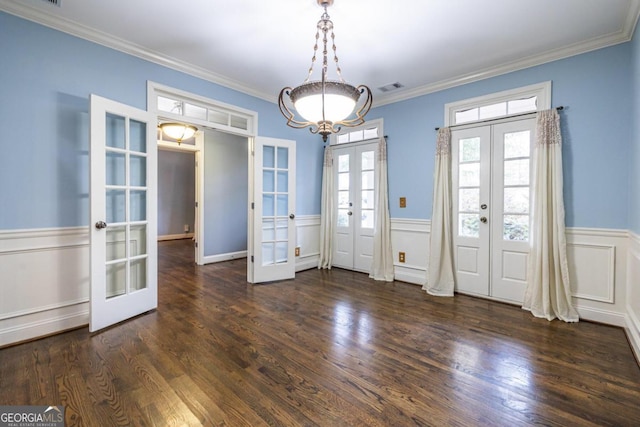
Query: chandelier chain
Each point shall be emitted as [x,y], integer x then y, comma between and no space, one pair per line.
[325,25]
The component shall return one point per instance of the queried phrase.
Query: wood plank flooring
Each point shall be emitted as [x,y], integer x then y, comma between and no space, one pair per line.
[330,348]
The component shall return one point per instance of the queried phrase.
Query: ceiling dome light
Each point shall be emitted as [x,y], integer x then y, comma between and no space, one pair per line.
[178,131]
[324,105]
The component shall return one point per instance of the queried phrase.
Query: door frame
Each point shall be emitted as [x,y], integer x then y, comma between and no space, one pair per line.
[198,230]
[250,132]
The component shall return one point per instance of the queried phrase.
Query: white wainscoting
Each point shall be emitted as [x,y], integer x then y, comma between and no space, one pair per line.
[597,260]
[44,274]
[410,236]
[308,240]
[44,282]
[633,293]
[597,271]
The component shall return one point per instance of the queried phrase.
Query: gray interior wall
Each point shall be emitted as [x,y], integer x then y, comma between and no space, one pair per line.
[226,185]
[176,192]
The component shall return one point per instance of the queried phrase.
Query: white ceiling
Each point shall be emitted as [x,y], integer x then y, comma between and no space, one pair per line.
[259,46]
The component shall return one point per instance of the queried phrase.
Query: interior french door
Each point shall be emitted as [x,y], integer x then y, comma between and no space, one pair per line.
[123,214]
[354,178]
[272,211]
[491,177]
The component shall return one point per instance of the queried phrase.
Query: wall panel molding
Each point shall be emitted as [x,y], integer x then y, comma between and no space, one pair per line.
[45,278]
[592,269]
[633,294]
[308,240]
[410,236]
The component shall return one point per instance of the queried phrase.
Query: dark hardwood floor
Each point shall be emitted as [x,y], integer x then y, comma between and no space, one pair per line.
[329,348]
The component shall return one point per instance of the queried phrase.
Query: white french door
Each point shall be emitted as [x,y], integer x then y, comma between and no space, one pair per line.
[123,214]
[272,210]
[491,177]
[354,176]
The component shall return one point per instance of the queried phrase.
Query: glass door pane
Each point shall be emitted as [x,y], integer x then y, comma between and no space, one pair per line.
[516,185]
[367,189]
[469,187]
[126,205]
[344,191]
[275,205]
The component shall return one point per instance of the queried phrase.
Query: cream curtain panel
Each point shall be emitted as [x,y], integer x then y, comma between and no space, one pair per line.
[382,263]
[326,211]
[440,273]
[548,293]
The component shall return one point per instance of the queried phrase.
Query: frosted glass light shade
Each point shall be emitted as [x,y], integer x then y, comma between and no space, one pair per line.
[178,131]
[339,101]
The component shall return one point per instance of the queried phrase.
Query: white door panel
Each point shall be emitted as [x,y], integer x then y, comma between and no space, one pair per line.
[513,145]
[471,156]
[355,177]
[123,214]
[273,214]
[491,187]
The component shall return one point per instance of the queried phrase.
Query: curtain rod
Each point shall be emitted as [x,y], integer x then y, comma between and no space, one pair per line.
[560,108]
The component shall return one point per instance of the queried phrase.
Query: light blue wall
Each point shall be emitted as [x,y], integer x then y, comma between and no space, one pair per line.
[44,109]
[176,192]
[226,184]
[634,157]
[46,78]
[594,88]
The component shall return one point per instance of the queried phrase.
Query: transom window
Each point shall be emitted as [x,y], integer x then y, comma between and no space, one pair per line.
[499,109]
[503,104]
[173,104]
[370,130]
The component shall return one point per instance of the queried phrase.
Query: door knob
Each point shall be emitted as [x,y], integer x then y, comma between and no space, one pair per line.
[292,216]
[483,206]
[483,219]
[349,213]
[100,225]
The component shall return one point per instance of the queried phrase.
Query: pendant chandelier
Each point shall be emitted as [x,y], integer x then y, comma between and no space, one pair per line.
[324,105]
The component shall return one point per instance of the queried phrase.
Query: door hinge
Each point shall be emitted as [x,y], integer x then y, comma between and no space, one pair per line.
[251,258]
[196,204]
[253,205]
[195,244]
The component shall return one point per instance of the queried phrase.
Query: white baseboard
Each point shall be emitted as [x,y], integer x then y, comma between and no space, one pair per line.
[633,294]
[307,262]
[633,333]
[410,274]
[175,237]
[224,257]
[607,317]
[42,324]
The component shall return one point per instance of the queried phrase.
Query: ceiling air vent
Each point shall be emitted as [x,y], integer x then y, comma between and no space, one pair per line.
[53,2]
[390,87]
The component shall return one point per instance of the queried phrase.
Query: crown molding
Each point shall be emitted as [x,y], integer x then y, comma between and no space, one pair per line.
[104,39]
[66,26]
[622,36]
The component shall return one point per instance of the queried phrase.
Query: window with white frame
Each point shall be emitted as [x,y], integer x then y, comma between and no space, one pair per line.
[170,103]
[367,131]
[497,105]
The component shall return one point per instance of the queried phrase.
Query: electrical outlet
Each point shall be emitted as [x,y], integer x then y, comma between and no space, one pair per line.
[403,202]
[298,251]
[401,256]
[186,228]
